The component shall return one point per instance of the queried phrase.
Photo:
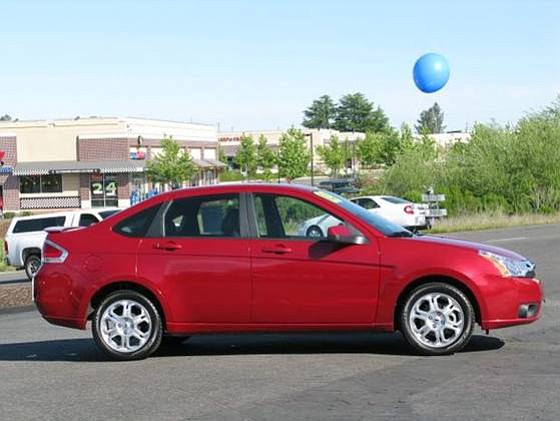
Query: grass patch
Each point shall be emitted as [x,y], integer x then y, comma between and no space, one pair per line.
[3,266]
[483,221]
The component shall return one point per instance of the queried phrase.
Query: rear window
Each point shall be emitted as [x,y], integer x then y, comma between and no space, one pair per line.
[137,225]
[108,213]
[38,224]
[395,200]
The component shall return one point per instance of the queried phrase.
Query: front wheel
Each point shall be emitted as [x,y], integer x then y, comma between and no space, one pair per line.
[437,319]
[127,326]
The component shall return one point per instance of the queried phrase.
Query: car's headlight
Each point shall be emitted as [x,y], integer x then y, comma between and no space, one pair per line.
[510,267]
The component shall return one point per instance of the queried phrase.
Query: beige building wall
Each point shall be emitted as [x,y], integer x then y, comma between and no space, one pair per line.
[55,140]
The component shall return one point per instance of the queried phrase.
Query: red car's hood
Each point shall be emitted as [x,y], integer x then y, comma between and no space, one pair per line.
[456,242]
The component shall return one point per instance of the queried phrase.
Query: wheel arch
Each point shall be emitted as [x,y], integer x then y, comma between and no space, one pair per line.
[463,287]
[107,289]
[28,251]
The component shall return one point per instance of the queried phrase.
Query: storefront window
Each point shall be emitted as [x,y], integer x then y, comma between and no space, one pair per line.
[104,190]
[51,183]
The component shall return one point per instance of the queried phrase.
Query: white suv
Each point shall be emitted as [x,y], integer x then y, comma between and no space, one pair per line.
[26,235]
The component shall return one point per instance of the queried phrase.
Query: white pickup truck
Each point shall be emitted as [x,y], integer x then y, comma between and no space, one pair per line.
[26,235]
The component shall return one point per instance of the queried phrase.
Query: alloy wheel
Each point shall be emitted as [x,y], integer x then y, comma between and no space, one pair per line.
[437,320]
[126,326]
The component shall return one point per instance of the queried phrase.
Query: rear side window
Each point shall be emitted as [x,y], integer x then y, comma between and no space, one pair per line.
[204,216]
[38,224]
[137,225]
[88,219]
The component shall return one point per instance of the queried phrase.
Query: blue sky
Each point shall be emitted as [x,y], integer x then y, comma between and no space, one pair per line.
[258,64]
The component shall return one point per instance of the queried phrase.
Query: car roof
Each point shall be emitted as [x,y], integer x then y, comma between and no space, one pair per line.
[280,187]
[65,213]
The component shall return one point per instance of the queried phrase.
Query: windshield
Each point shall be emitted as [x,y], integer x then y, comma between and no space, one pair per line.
[395,200]
[386,227]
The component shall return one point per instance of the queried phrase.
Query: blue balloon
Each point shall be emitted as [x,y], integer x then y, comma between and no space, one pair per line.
[431,72]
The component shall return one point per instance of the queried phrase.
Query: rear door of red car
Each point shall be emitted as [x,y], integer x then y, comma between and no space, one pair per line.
[301,280]
[199,254]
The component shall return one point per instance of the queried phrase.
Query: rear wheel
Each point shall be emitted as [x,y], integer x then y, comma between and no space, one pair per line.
[437,319]
[32,265]
[314,231]
[127,326]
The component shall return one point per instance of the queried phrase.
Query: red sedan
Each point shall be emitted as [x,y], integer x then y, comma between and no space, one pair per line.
[234,259]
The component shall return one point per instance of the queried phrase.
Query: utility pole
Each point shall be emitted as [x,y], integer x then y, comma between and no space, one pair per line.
[312,163]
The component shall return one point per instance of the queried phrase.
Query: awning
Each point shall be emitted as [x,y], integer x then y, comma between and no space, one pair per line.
[78,167]
[209,163]
[216,163]
[81,167]
[201,163]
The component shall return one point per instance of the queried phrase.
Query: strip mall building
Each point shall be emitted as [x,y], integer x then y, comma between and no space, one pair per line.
[92,162]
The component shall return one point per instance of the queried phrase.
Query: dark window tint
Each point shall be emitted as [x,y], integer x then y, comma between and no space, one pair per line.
[39,224]
[51,183]
[137,224]
[30,184]
[108,213]
[287,217]
[88,219]
[366,203]
[395,200]
[47,183]
[206,216]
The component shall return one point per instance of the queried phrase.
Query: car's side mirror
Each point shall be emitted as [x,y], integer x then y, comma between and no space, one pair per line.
[341,234]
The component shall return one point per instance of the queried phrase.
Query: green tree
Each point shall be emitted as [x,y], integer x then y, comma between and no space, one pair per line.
[334,154]
[321,114]
[172,166]
[246,156]
[266,159]
[431,120]
[367,150]
[355,113]
[6,117]
[293,155]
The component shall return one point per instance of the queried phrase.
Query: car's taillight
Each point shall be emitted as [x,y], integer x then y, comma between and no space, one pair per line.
[5,248]
[409,209]
[53,253]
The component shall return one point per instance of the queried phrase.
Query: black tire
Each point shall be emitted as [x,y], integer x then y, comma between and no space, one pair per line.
[314,231]
[32,265]
[458,338]
[154,335]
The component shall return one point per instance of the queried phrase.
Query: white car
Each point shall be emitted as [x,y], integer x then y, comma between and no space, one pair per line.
[400,211]
[26,235]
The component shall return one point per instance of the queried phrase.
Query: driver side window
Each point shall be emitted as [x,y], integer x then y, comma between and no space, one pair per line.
[287,217]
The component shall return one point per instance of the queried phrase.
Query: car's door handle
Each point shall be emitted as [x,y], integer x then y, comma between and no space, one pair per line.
[168,245]
[277,250]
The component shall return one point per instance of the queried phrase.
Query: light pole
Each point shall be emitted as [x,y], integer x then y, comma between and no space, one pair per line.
[311,149]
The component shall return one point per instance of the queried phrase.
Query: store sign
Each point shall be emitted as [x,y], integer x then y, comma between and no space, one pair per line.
[230,139]
[103,190]
[137,155]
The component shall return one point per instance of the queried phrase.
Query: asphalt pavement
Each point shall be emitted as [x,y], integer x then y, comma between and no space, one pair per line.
[49,372]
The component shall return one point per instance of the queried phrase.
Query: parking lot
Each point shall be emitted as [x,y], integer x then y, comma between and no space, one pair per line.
[47,372]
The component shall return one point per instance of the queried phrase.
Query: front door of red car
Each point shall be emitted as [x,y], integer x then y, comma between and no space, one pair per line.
[200,259]
[302,280]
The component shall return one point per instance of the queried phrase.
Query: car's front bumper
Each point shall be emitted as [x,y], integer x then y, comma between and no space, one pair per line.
[512,301]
